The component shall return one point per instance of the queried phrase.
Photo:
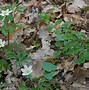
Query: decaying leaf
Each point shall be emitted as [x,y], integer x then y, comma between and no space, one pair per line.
[37,69]
[76,6]
[86,65]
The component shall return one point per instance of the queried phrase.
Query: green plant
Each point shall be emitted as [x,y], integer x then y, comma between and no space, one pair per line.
[23,86]
[3,65]
[3,85]
[42,84]
[49,70]
[7,18]
[70,42]
[16,53]
[44,17]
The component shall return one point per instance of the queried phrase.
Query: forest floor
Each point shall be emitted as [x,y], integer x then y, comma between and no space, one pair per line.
[52,37]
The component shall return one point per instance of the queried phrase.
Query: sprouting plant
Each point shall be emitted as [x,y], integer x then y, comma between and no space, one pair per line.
[17,54]
[49,70]
[70,42]
[8,25]
[44,17]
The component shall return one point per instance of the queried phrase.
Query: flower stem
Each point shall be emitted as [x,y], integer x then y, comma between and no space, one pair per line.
[8,38]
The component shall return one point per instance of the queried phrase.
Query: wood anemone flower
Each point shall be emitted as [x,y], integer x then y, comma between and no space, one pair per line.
[26,70]
[2,43]
[5,12]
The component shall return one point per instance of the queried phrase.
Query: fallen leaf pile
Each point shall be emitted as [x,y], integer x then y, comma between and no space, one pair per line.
[35,37]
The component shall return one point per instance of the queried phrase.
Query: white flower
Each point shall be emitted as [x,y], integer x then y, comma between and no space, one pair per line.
[26,70]
[6,12]
[2,43]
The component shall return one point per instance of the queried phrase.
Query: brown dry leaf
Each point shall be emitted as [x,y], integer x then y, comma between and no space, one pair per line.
[86,65]
[73,17]
[66,64]
[50,7]
[35,3]
[77,86]
[17,17]
[80,75]
[37,70]
[76,5]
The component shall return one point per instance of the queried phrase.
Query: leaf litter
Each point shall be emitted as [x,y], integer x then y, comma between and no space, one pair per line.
[75,78]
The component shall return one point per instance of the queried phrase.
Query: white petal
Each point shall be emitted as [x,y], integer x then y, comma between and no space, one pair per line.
[23,70]
[7,10]
[10,11]
[3,15]
[7,14]
[3,42]
[3,11]
[30,67]
[31,71]
[2,45]
[25,66]
[0,40]
[24,74]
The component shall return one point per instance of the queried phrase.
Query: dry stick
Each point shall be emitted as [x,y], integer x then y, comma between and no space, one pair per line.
[68,68]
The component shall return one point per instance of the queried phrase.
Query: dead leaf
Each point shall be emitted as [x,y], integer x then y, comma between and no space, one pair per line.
[76,6]
[37,69]
[86,65]
[76,18]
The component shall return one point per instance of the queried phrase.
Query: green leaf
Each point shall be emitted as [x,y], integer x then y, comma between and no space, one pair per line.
[50,75]
[65,37]
[85,54]
[4,30]
[73,51]
[82,57]
[23,87]
[1,17]
[20,9]
[41,88]
[13,6]
[80,61]
[57,53]
[3,85]
[3,65]
[58,21]
[44,17]
[87,40]
[50,28]
[47,66]
[67,24]
[61,37]
[58,44]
